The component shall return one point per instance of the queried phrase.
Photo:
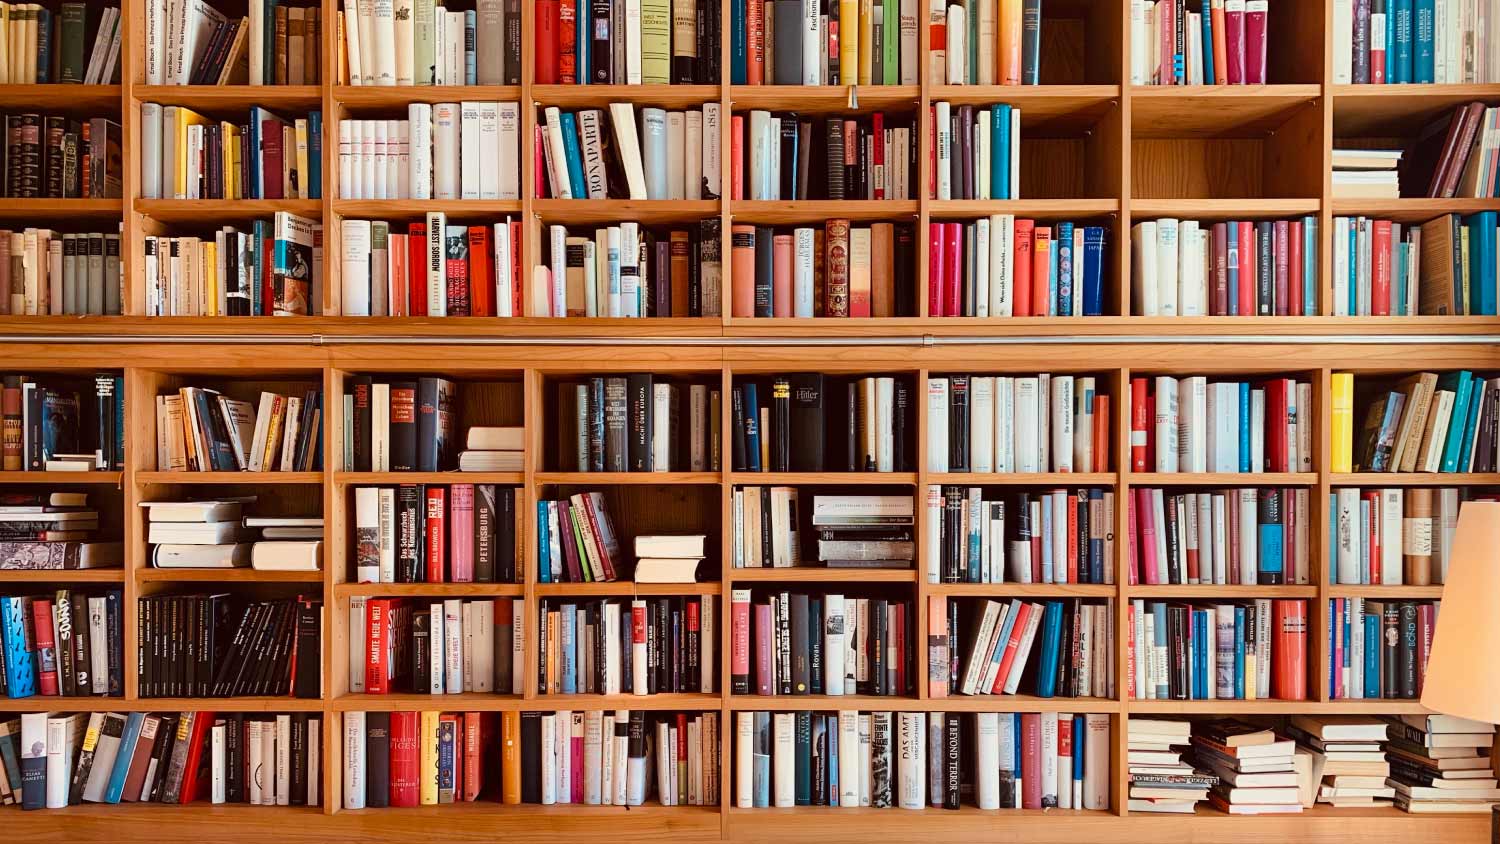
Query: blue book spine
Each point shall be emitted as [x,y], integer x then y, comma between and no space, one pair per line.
[1271,564]
[543,544]
[1471,427]
[1052,309]
[1372,656]
[20,668]
[1244,426]
[43,45]
[574,155]
[257,267]
[315,155]
[738,60]
[832,731]
[1232,266]
[1333,604]
[128,740]
[1422,69]
[1065,269]
[1310,266]
[1482,263]
[471,43]
[1046,677]
[1200,655]
[1239,653]
[1399,47]
[1458,420]
[585,40]
[1159,640]
[1353,284]
[1390,43]
[1093,271]
[1000,152]
[567,644]
[1005,628]
[447,755]
[1398,286]
[1208,46]
[752,429]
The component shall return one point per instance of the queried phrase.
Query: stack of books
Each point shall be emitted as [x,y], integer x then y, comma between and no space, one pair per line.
[986,649]
[853,44]
[203,430]
[31,32]
[45,426]
[668,559]
[52,156]
[1221,426]
[1231,268]
[1000,423]
[436,533]
[1242,536]
[1378,268]
[430,45]
[780,426]
[274,269]
[185,155]
[593,43]
[62,644]
[1256,768]
[1232,651]
[494,449]
[627,271]
[577,541]
[1347,757]
[856,271]
[1441,763]
[1366,173]
[275,44]
[398,425]
[781,156]
[198,534]
[978,152]
[42,531]
[854,531]
[436,646]
[1424,423]
[641,647]
[862,645]
[1162,777]
[674,156]
[286,543]
[46,272]
[1052,536]
[465,150]
[432,269]
[1393,536]
[1202,43]
[1397,42]
[1379,649]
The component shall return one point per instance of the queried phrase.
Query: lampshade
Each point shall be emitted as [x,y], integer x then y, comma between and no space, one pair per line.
[1463,670]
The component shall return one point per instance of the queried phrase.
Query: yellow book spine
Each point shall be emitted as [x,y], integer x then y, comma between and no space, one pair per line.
[5,51]
[185,118]
[228,145]
[848,41]
[866,41]
[302,171]
[1250,668]
[1342,444]
[1010,42]
[1463,236]
[343,58]
[429,731]
[210,271]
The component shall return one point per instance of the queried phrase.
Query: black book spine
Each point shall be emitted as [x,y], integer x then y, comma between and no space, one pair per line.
[806,422]
[601,53]
[505,544]
[952,534]
[952,750]
[309,670]
[234,758]
[360,389]
[421,649]
[764,267]
[513,42]
[531,757]
[958,423]
[115,626]
[851,430]
[1175,574]
[166,734]
[1390,637]
[781,409]
[789,169]
[1407,667]
[298,755]
[1180,671]
[1265,294]
[596,425]
[901,407]
[641,397]
[801,646]
[803,758]
[879,637]
[1271,515]
[411,533]
[377,759]
[815,646]
[403,426]
[835,135]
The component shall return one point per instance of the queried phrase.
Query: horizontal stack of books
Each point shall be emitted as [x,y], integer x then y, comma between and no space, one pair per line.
[1378,268]
[586,44]
[51,156]
[436,533]
[862,645]
[1245,650]
[1041,423]
[437,646]
[215,534]
[42,531]
[1424,423]
[494,449]
[643,647]
[55,760]
[1256,767]
[1230,268]
[1000,266]
[1232,536]
[675,155]
[199,429]
[1393,536]
[978,152]
[399,425]
[987,648]
[1161,771]
[1417,42]
[1221,426]
[856,271]
[1053,536]
[627,271]
[276,268]
[853,531]
[430,45]
[853,44]
[1221,43]
[577,541]
[466,150]
[668,559]
[185,155]
[1441,763]
[66,643]
[1348,764]
[46,424]
[46,272]
[30,33]
[635,423]
[1366,173]
[210,645]
[777,155]
[1379,649]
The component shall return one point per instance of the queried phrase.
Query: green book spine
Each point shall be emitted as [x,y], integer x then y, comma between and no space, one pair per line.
[70,43]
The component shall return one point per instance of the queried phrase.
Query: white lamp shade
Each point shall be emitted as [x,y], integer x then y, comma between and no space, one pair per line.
[1463,670]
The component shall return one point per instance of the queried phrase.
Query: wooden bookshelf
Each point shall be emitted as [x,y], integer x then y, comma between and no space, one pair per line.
[1097,149]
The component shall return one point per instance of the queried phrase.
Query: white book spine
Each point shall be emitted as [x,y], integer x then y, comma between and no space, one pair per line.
[712,120]
[849,759]
[453,648]
[419,180]
[471,180]
[437,287]
[445,151]
[911,760]
[937,424]
[803,276]
[354,760]
[488,150]
[438,663]
[783,760]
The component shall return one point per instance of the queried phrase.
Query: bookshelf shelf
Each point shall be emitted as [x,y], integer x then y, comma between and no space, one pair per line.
[415,208]
[375,96]
[823,478]
[435,590]
[824,99]
[1147,207]
[1043,107]
[1043,209]
[215,211]
[1072,479]
[54,703]
[1192,591]
[783,703]
[627,478]
[1414,478]
[227,704]
[1223,478]
[429,477]
[62,576]
[583,212]
[194,478]
[1023,590]
[235,575]
[1276,707]
[1409,210]
[1399,109]
[786,212]
[59,478]
[60,211]
[403,701]
[1385,592]
[287,98]
[1017,703]
[626,587]
[685,701]
[600,96]
[80,98]
[813,574]
[1211,111]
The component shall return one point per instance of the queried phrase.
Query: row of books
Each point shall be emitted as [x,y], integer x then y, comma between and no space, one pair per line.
[1424,423]
[175,758]
[814,422]
[977,153]
[1392,536]
[1453,155]
[432,269]
[1378,266]
[209,645]
[50,156]
[1389,42]
[394,424]
[1244,650]
[215,534]
[464,150]
[442,646]
[777,155]
[77,44]
[984,43]
[43,271]
[1190,424]
[1225,536]
[1001,423]
[597,757]
[852,531]
[638,423]
[199,429]
[1000,266]
[788,42]
[47,423]
[436,533]
[859,646]
[858,271]
[674,156]
[594,42]
[196,44]
[912,760]
[1054,536]
[407,43]
[276,268]
[577,541]
[1379,649]
[626,270]
[1049,648]
[1231,268]
[66,643]
[185,155]
[1222,43]
[648,646]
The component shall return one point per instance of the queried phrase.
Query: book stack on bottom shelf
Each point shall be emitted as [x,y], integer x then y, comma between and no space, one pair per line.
[1347,764]
[1162,776]
[1441,763]
[1256,767]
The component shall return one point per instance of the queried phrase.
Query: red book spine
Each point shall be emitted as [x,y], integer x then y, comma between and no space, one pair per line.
[1378,47]
[1234,42]
[1220,304]
[197,739]
[877,153]
[1073,536]
[1130,690]
[271,159]
[481,273]
[1150,430]
[1021,263]
[953,259]
[377,631]
[1380,268]
[1140,423]
[936,296]
[516,263]
[1275,450]
[267,292]
[1294,304]
[405,759]
[1031,760]
[437,532]
[46,647]
[1372,535]
[473,778]
[592,515]
[1012,645]
[1255,42]
[416,259]
[1282,270]
[548,34]
[737,157]
[1246,303]
[1232,517]
[1289,656]
[739,643]
[755,44]
[1041,273]
[567,43]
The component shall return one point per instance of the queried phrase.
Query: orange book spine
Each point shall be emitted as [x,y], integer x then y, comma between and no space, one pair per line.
[1221,52]
[755,44]
[1021,284]
[1041,272]
[1101,434]
[680,270]
[1289,660]
[473,780]
[1010,25]
[481,273]
[742,271]
[510,758]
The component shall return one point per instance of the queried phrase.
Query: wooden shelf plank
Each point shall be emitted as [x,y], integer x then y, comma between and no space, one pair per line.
[1023,590]
[1194,591]
[1046,110]
[115,575]
[595,211]
[673,97]
[817,574]
[628,478]
[824,99]
[1379,479]
[281,98]
[960,703]
[1042,209]
[626,588]
[1411,210]
[1048,479]
[259,478]
[1222,209]
[366,97]
[227,704]
[435,590]
[429,477]
[235,575]
[60,211]
[1275,707]
[94,100]
[1216,111]
[662,701]
[215,211]
[823,478]
[404,701]
[1385,592]
[418,209]
[113,477]
[785,212]
[54,703]
[1223,478]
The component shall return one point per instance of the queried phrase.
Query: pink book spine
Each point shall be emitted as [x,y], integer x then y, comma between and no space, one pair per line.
[764,683]
[936,296]
[781,277]
[1232,519]
[461,533]
[1282,269]
[737,157]
[1255,42]
[1146,515]
[576,769]
[1135,560]
[1166,38]
[1234,40]
[953,258]
[1341,616]
[539,163]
